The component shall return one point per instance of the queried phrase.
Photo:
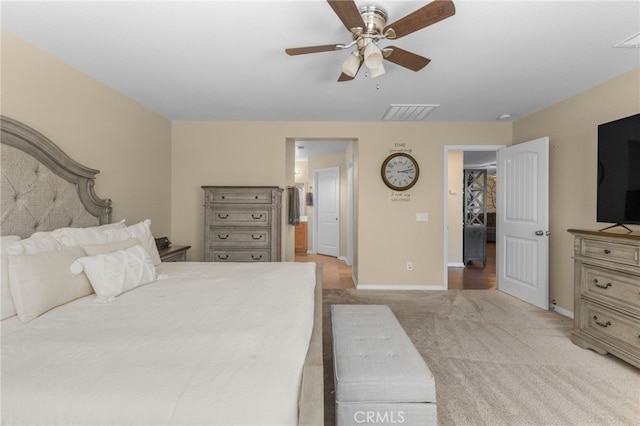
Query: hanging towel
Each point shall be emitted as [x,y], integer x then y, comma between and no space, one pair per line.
[294,206]
[309,198]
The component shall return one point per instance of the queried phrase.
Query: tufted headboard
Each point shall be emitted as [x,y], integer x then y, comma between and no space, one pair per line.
[42,188]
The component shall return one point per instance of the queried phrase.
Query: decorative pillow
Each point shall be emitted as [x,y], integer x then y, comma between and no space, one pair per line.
[41,281]
[7,308]
[111,274]
[70,237]
[93,249]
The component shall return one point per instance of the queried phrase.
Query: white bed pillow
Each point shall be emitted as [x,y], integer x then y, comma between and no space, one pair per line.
[142,231]
[70,237]
[41,281]
[33,245]
[7,308]
[111,274]
[93,249]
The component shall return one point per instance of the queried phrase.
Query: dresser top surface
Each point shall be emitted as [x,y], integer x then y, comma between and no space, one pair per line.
[633,236]
[274,188]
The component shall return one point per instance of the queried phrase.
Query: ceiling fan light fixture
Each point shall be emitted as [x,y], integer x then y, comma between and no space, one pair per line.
[351,65]
[372,56]
[377,71]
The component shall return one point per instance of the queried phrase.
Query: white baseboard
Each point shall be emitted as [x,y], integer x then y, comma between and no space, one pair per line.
[398,287]
[455,265]
[561,311]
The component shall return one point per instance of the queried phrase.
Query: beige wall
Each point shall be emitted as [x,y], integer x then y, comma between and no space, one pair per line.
[97,126]
[387,235]
[455,197]
[572,129]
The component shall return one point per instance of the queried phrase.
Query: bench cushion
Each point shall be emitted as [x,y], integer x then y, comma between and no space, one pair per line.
[374,359]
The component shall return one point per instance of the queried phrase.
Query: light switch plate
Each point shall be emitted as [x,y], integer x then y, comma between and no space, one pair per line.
[422,217]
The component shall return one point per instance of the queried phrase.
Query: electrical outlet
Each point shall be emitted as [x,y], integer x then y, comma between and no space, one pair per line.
[409,266]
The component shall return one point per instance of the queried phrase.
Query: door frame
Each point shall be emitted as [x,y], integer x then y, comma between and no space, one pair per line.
[447,149]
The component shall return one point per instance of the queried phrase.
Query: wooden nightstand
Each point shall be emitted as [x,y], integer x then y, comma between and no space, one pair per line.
[174,253]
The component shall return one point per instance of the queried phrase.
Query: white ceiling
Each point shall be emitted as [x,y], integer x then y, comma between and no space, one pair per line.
[225,60]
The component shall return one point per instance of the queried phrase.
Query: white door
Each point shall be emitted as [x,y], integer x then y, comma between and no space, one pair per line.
[328,211]
[523,221]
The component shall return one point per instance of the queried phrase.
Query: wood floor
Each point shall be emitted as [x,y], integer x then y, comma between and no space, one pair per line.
[475,275]
[337,275]
[335,272]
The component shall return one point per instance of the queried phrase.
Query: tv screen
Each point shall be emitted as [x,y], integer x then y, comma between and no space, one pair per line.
[619,171]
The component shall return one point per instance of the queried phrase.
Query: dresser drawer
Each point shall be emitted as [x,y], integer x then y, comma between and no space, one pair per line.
[610,326]
[240,256]
[610,286]
[613,252]
[238,217]
[230,237]
[237,196]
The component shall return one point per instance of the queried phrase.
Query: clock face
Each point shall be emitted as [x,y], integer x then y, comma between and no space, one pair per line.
[400,171]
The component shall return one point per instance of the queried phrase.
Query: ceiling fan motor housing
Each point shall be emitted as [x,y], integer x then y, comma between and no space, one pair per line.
[375,19]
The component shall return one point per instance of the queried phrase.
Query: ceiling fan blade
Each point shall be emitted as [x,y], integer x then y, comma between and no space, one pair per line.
[344,77]
[406,59]
[427,15]
[348,13]
[311,49]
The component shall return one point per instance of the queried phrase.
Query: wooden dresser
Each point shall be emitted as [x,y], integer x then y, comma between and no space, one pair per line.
[242,223]
[607,293]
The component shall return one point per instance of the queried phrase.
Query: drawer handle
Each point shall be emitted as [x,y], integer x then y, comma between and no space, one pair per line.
[222,197]
[223,257]
[607,251]
[254,257]
[256,216]
[601,324]
[256,237]
[223,237]
[220,216]
[606,286]
[256,197]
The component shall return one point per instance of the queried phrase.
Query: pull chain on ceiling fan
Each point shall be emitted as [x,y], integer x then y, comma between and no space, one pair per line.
[367,25]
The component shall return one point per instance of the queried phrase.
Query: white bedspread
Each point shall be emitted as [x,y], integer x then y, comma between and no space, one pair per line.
[215,343]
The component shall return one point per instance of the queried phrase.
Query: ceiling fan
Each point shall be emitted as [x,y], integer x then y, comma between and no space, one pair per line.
[367,25]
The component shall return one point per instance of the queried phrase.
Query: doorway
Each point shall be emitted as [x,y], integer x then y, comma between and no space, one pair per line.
[522,220]
[326,167]
[465,271]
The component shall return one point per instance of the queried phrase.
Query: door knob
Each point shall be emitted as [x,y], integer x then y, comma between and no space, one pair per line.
[540,233]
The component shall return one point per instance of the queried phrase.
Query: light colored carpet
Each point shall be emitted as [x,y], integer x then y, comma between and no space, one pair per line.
[499,361]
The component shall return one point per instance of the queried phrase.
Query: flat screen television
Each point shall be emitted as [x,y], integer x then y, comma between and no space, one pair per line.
[619,171]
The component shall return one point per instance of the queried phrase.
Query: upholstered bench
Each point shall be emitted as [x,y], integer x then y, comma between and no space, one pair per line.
[380,377]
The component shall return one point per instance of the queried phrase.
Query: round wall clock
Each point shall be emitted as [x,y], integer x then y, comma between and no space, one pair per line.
[400,171]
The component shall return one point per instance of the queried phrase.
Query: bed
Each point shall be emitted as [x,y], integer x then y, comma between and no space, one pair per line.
[96,330]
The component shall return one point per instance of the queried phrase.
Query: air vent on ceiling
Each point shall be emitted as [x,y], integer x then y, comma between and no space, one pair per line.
[630,42]
[408,112]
